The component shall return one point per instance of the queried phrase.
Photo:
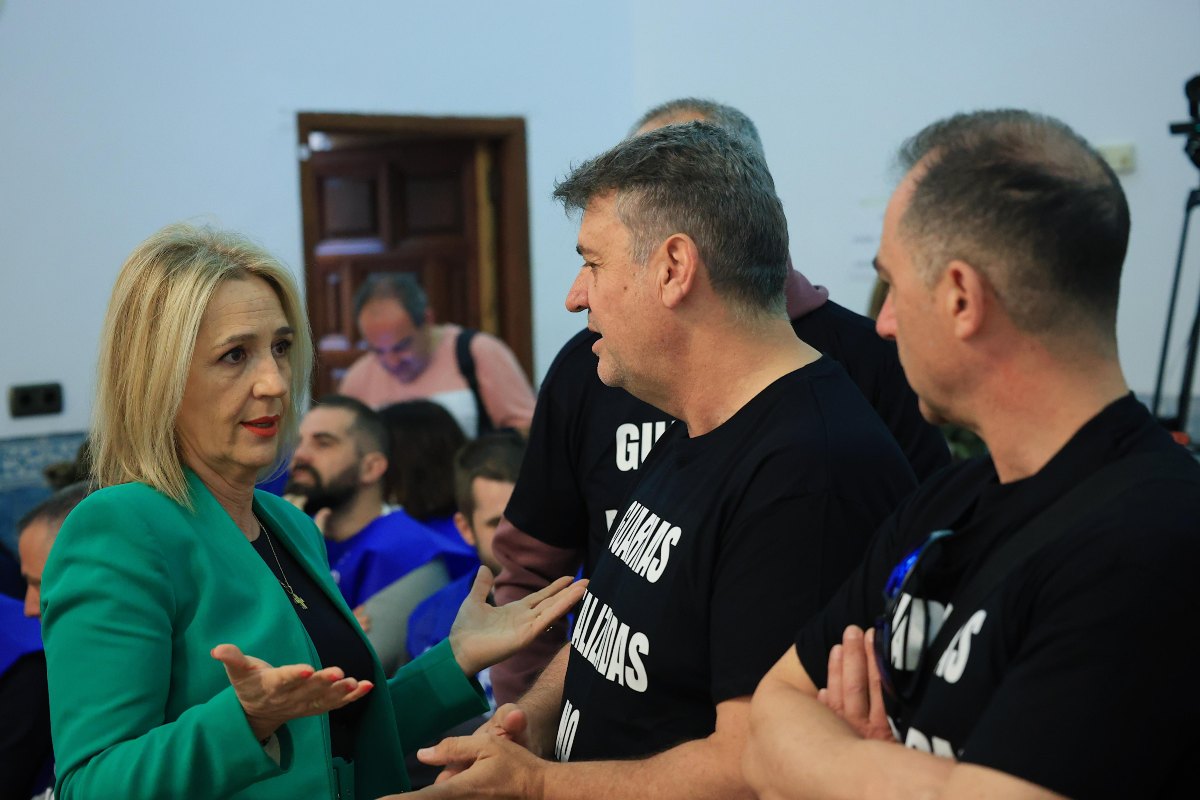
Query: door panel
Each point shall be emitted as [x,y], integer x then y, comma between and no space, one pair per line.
[423,207]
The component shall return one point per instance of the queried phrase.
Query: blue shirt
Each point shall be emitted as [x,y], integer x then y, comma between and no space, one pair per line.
[389,548]
[19,635]
[431,620]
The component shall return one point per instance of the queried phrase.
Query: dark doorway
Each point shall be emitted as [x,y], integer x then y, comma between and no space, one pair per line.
[443,198]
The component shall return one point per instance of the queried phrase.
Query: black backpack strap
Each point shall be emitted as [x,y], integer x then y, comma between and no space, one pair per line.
[1049,525]
[466,365]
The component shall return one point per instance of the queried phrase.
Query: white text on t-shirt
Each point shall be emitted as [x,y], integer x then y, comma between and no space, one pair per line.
[609,645]
[634,442]
[644,541]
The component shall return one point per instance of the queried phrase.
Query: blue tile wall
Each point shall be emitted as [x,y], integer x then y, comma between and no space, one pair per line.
[22,484]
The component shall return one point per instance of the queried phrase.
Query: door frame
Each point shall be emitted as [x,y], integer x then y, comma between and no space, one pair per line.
[514,292]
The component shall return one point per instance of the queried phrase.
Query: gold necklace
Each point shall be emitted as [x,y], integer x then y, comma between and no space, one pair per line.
[283,581]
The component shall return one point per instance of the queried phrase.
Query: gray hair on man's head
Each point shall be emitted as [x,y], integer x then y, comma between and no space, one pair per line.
[718,114]
[697,179]
[403,287]
[1029,203]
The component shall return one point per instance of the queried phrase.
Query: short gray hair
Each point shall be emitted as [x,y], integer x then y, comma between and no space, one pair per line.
[1028,202]
[718,114]
[697,179]
[403,287]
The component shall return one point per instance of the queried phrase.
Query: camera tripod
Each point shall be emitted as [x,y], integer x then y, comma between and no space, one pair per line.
[1179,421]
[1191,147]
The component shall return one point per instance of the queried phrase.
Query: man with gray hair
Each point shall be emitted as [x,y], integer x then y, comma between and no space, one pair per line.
[587,441]
[1024,603]
[749,511]
[695,109]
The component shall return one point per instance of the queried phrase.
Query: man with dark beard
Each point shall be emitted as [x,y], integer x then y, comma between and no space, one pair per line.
[337,476]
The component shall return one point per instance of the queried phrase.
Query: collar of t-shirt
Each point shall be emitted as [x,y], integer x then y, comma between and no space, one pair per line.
[732,429]
[1001,508]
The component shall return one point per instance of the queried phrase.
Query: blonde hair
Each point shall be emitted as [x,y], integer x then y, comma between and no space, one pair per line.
[148,341]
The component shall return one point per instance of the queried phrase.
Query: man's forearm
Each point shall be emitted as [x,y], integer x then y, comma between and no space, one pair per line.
[491,765]
[800,749]
[695,770]
[541,704]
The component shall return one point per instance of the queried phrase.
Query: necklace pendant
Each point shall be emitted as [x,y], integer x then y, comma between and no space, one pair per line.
[298,600]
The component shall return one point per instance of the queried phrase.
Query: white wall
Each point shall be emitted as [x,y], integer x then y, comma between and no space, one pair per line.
[117,118]
[835,88]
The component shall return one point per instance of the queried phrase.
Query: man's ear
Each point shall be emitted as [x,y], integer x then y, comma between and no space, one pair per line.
[464,528]
[372,468]
[966,294]
[678,269]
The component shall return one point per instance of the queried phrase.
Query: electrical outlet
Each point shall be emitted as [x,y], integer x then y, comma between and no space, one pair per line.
[35,399]
[1120,156]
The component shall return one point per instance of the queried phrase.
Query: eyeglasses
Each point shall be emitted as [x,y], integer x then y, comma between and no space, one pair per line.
[401,346]
[903,631]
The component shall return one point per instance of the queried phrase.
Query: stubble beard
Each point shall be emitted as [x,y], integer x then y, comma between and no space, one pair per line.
[335,494]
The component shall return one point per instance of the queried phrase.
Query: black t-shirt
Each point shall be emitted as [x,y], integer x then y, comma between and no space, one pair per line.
[1071,673]
[586,443]
[25,748]
[587,440]
[729,540]
[873,364]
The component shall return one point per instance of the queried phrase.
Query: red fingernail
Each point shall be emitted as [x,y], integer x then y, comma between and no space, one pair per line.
[306,673]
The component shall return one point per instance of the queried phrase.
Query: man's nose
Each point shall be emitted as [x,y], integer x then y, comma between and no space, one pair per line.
[577,299]
[885,323]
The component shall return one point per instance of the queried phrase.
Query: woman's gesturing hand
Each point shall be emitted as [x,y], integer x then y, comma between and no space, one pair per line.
[271,696]
[483,635]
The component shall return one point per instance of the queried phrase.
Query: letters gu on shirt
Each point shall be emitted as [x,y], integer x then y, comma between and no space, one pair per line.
[672,625]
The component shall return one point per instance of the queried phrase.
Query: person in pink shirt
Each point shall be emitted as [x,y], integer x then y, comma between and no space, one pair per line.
[412,358]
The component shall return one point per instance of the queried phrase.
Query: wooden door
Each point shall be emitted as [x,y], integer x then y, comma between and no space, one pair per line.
[439,207]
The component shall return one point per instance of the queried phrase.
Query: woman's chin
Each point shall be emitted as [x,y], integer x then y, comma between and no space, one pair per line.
[257,465]
[247,468]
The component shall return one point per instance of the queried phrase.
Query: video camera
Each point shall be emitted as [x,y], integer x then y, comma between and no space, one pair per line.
[1191,129]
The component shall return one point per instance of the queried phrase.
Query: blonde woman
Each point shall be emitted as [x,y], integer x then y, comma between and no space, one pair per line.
[196,644]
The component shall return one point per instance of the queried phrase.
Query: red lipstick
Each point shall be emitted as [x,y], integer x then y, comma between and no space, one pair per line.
[266,427]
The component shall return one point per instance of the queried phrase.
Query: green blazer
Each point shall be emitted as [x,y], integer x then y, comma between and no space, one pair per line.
[138,590]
